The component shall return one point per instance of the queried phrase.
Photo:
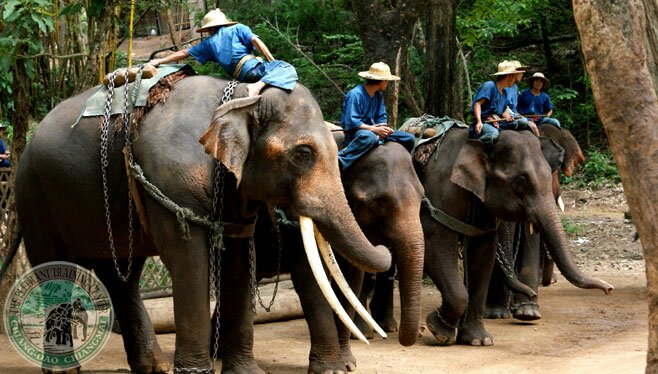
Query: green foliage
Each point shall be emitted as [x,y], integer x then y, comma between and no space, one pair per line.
[572,229]
[598,171]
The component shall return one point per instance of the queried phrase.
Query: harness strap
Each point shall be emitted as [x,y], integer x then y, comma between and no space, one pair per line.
[453,223]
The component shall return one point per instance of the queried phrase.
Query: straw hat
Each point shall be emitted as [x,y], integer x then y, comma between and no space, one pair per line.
[541,76]
[214,18]
[518,66]
[379,71]
[506,68]
[2,126]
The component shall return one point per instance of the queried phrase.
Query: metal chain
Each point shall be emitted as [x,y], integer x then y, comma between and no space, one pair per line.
[513,308]
[253,286]
[105,130]
[194,370]
[438,314]
[277,233]
[216,234]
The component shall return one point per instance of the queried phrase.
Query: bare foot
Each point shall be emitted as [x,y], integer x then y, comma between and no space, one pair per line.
[254,88]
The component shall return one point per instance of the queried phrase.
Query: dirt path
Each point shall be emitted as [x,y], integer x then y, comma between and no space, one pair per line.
[582,331]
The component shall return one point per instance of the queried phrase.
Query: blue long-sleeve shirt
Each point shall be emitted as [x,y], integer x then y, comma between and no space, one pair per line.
[3,149]
[531,104]
[361,109]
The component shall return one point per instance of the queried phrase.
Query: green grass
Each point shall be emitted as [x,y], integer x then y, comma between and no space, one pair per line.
[572,229]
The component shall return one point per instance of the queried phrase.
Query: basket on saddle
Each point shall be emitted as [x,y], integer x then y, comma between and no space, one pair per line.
[429,131]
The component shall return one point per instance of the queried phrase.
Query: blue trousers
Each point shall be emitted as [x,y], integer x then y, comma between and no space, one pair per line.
[365,140]
[487,135]
[549,120]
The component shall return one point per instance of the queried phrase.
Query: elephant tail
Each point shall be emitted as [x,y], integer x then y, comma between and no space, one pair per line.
[18,237]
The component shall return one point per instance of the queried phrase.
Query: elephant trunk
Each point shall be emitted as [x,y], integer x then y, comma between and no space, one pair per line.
[551,228]
[408,252]
[343,233]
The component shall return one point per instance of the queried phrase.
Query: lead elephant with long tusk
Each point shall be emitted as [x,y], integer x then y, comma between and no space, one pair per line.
[385,196]
[274,149]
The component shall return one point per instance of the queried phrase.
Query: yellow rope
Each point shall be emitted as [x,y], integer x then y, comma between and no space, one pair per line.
[130,33]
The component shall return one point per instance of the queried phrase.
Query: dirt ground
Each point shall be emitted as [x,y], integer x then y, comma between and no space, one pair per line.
[582,331]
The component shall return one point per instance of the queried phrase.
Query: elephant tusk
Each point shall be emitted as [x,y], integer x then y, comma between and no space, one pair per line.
[560,203]
[532,228]
[339,278]
[311,248]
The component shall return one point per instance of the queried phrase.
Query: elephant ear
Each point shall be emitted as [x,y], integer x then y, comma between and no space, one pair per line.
[471,168]
[227,139]
[553,153]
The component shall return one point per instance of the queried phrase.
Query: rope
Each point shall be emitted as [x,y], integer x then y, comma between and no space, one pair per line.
[183,215]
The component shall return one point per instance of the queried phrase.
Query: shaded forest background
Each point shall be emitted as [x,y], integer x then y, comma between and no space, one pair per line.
[50,50]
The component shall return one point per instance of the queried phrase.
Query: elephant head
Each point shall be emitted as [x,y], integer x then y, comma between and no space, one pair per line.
[279,150]
[385,195]
[573,155]
[514,182]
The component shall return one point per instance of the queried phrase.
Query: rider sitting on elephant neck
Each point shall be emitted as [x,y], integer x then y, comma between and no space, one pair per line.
[231,45]
[364,117]
[490,103]
[537,104]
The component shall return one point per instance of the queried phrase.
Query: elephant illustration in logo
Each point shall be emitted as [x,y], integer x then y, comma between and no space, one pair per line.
[60,320]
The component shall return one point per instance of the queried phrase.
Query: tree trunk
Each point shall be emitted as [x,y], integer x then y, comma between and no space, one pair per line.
[385,31]
[175,39]
[620,47]
[98,33]
[443,96]
[546,44]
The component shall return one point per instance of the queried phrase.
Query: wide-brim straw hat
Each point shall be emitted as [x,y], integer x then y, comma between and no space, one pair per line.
[507,68]
[519,66]
[214,18]
[379,71]
[541,76]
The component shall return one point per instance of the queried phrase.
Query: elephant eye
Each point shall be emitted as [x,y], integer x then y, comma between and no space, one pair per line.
[520,183]
[302,157]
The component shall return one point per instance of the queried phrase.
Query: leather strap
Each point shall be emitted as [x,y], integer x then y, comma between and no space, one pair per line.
[238,67]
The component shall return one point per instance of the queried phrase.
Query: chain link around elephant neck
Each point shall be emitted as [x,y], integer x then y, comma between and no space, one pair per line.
[129,103]
[276,233]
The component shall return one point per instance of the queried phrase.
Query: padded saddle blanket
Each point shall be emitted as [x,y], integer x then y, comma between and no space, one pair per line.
[95,105]
[424,148]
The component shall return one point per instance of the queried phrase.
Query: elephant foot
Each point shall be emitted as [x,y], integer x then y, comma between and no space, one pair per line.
[444,333]
[528,311]
[249,368]
[348,359]
[497,312]
[475,335]
[150,362]
[387,323]
[317,368]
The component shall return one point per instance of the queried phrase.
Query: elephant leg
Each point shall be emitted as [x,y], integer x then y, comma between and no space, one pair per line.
[325,355]
[480,259]
[441,265]
[142,348]
[381,304]
[498,297]
[367,289]
[526,308]
[236,314]
[547,265]
[355,280]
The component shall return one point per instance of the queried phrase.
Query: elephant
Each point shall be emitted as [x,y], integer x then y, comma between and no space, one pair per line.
[384,194]
[58,325]
[479,185]
[273,148]
[525,252]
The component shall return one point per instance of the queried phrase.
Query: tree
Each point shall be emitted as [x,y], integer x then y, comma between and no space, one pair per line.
[385,31]
[621,50]
[443,88]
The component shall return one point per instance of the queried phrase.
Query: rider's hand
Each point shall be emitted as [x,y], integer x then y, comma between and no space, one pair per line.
[478,127]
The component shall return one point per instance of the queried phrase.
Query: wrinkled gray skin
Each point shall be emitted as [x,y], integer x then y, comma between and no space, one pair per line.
[511,182]
[385,195]
[278,150]
[526,252]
